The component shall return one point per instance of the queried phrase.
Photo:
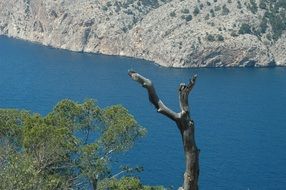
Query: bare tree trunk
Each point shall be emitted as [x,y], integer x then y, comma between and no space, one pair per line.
[185,125]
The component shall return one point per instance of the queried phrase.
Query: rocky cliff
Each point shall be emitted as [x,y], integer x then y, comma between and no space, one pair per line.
[173,33]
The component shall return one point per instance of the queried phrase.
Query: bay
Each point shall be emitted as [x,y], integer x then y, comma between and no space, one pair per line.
[239,113]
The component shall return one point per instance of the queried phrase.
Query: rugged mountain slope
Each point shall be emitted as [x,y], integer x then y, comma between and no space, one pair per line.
[176,33]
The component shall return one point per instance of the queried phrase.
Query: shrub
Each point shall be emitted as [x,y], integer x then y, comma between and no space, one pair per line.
[212,13]
[233,34]
[108,4]
[262,5]
[217,8]
[210,38]
[225,10]
[263,25]
[188,17]
[185,11]
[173,14]
[196,11]
[239,6]
[253,6]
[220,37]
[245,29]
[104,8]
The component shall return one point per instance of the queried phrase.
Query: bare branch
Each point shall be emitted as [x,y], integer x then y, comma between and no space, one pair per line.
[184,91]
[184,123]
[153,97]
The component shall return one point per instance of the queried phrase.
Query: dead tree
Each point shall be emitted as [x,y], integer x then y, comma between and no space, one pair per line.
[184,122]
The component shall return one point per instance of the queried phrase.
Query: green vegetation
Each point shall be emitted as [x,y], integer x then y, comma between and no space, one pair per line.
[234,34]
[212,13]
[274,16]
[210,37]
[126,183]
[69,148]
[104,8]
[216,37]
[173,14]
[273,21]
[152,3]
[185,11]
[188,17]
[252,6]
[207,17]
[225,10]
[245,29]
[143,6]
[196,11]
[27,6]
[217,8]
[108,4]
[239,6]
[220,37]
[262,4]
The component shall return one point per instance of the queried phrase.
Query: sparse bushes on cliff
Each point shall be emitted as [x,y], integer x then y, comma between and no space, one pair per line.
[173,14]
[234,34]
[188,17]
[217,37]
[196,11]
[252,6]
[217,8]
[210,37]
[239,6]
[220,37]
[212,13]
[262,4]
[207,17]
[104,8]
[263,26]
[245,29]
[185,11]
[225,10]
[108,4]
[273,22]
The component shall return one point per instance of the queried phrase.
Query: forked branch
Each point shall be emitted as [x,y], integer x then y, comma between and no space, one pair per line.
[184,91]
[184,123]
[153,97]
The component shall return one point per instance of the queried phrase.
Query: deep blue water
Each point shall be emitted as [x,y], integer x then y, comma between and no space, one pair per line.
[240,114]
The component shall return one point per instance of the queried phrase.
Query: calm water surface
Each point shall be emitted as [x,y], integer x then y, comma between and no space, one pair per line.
[240,114]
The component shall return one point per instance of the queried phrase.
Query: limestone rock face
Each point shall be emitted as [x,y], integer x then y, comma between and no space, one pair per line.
[172,33]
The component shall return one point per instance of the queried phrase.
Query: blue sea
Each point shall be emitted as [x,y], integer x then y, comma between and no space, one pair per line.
[239,113]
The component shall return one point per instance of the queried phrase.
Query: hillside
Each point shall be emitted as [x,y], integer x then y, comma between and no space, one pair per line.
[173,33]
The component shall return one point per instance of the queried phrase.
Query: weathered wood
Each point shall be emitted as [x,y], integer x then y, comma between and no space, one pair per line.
[184,123]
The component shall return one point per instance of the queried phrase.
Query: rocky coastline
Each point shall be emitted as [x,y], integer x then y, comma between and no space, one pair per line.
[172,33]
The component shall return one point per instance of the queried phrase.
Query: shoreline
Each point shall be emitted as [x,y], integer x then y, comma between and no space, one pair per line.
[150,61]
